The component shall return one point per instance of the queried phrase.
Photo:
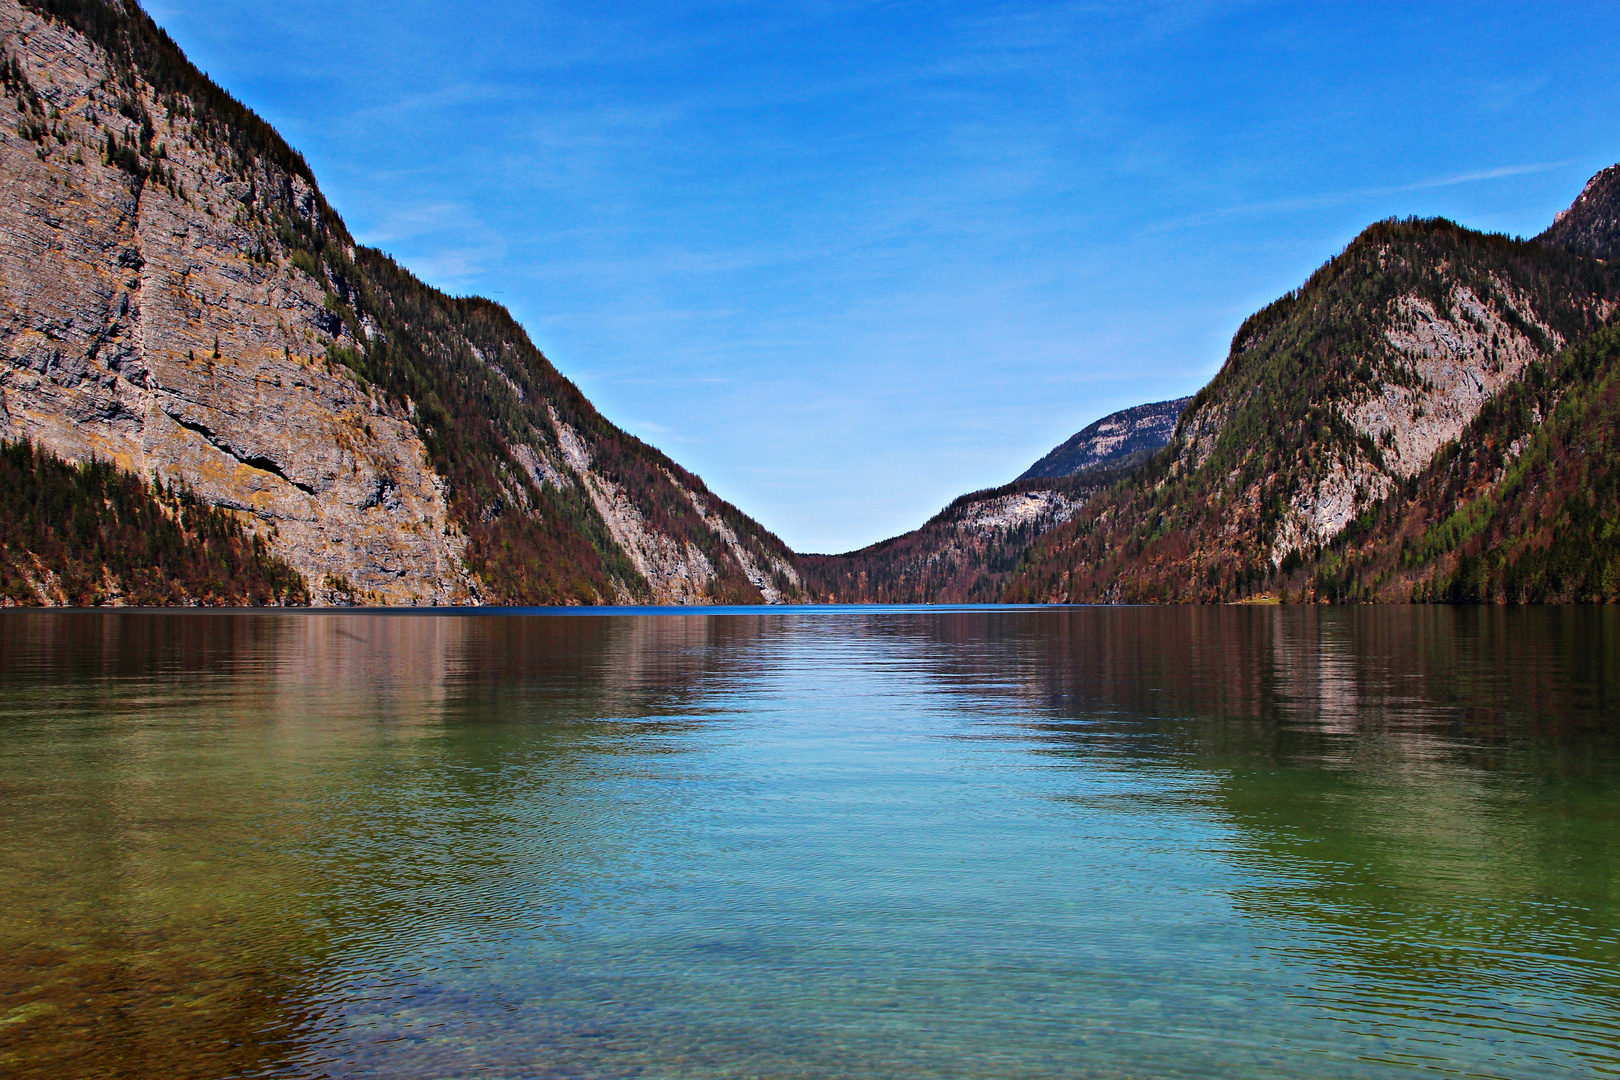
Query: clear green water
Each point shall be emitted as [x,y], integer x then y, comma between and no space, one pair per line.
[1051,843]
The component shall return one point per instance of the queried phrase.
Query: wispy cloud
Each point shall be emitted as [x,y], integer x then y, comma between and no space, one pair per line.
[1476,177]
[1327,200]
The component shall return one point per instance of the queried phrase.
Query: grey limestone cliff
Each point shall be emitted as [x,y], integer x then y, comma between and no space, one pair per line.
[1117,440]
[142,323]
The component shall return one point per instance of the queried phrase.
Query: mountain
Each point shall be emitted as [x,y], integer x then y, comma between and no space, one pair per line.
[1421,417]
[1433,416]
[965,554]
[1118,440]
[182,302]
[201,370]
[1525,507]
[1591,225]
[968,552]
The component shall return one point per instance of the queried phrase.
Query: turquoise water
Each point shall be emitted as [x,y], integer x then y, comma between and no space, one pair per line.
[1236,842]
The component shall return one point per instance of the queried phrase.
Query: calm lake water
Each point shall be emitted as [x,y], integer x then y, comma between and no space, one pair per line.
[1238,842]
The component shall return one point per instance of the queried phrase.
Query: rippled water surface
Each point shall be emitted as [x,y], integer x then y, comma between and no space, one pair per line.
[890,843]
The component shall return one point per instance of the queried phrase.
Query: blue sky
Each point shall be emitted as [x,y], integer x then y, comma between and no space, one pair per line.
[849,260]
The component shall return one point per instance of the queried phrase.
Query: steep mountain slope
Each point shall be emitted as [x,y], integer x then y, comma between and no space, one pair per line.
[1118,440]
[1525,507]
[1334,403]
[180,300]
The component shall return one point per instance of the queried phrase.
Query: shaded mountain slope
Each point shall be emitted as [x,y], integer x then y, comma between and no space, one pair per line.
[1334,400]
[1118,440]
[1591,225]
[182,301]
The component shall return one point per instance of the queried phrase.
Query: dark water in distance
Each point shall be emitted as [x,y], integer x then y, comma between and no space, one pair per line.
[1233,842]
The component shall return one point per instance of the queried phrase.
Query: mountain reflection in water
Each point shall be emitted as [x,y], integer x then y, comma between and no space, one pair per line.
[1056,842]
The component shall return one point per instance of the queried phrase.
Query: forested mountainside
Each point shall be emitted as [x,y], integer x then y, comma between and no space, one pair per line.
[1117,441]
[965,554]
[91,534]
[1524,507]
[1423,419]
[182,303]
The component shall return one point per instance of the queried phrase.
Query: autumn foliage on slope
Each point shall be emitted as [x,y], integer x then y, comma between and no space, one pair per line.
[91,534]
[1524,508]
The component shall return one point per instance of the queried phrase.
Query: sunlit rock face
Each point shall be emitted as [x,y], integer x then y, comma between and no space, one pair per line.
[146,321]
[177,297]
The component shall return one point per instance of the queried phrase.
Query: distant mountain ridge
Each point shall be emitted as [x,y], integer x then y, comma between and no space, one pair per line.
[1118,440]
[969,552]
[965,554]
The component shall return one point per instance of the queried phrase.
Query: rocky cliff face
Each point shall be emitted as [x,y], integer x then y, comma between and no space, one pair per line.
[144,324]
[1118,440]
[178,298]
[1334,405]
[1523,507]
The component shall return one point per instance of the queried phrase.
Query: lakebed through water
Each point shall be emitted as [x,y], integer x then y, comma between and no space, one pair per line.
[1061,842]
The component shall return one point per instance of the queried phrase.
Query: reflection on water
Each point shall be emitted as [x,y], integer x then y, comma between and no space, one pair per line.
[1062,842]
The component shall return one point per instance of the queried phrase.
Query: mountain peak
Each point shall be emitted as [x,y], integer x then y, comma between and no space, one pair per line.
[1591,224]
[1118,439]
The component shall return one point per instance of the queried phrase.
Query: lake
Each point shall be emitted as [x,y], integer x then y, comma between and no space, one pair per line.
[904,842]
